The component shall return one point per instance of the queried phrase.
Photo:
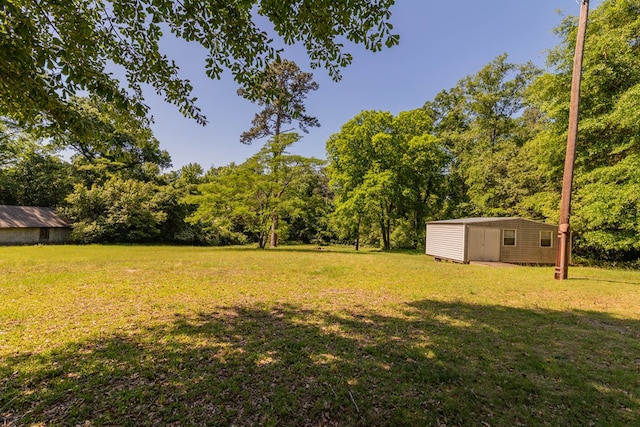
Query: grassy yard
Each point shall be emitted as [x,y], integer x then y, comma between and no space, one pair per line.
[131,335]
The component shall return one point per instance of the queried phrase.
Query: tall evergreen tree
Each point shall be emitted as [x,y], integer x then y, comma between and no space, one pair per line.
[282,95]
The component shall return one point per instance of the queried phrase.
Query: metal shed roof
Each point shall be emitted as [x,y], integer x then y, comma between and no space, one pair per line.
[469,220]
[29,217]
[478,220]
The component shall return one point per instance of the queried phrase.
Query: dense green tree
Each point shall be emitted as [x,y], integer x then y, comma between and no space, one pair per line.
[608,211]
[450,120]
[605,207]
[174,187]
[484,122]
[353,164]
[35,177]
[123,141]
[98,171]
[227,205]
[31,174]
[11,143]
[386,169]
[110,206]
[310,224]
[52,50]
[119,210]
[243,200]
[422,176]
[10,136]
[189,175]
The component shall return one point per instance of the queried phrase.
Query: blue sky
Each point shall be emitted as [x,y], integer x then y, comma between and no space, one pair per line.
[440,43]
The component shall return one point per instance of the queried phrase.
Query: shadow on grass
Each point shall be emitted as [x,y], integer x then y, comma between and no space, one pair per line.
[433,363]
[595,279]
[309,248]
[328,249]
[347,250]
[294,248]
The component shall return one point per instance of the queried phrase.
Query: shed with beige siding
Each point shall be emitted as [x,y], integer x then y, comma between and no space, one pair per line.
[510,240]
[21,225]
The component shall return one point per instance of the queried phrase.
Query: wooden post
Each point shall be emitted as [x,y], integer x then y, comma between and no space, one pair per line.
[564,231]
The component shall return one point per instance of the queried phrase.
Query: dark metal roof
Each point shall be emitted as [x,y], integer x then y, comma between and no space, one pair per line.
[29,217]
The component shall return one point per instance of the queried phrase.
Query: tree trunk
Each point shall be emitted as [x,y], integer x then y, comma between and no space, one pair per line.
[358,235]
[385,226]
[417,229]
[273,241]
[388,232]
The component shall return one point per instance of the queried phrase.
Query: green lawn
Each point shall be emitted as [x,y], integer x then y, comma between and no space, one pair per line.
[132,335]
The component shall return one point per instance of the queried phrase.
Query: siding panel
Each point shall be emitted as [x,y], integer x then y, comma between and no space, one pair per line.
[446,241]
[527,249]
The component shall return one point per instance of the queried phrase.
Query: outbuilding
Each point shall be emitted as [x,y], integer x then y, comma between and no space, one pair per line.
[28,225]
[509,240]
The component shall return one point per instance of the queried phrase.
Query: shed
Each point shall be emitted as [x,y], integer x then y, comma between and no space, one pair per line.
[28,224]
[509,240]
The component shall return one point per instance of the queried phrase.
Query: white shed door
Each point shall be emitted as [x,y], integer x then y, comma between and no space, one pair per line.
[483,244]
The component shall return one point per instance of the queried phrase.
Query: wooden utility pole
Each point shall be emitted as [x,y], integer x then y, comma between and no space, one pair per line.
[564,234]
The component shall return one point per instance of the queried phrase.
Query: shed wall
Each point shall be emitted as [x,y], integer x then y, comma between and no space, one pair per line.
[446,241]
[483,244]
[527,249]
[59,235]
[18,236]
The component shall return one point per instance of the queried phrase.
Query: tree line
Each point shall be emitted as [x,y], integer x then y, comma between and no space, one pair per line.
[493,145]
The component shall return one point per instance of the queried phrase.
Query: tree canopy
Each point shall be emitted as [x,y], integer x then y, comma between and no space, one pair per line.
[606,205]
[386,172]
[250,201]
[56,49]
[483,121]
